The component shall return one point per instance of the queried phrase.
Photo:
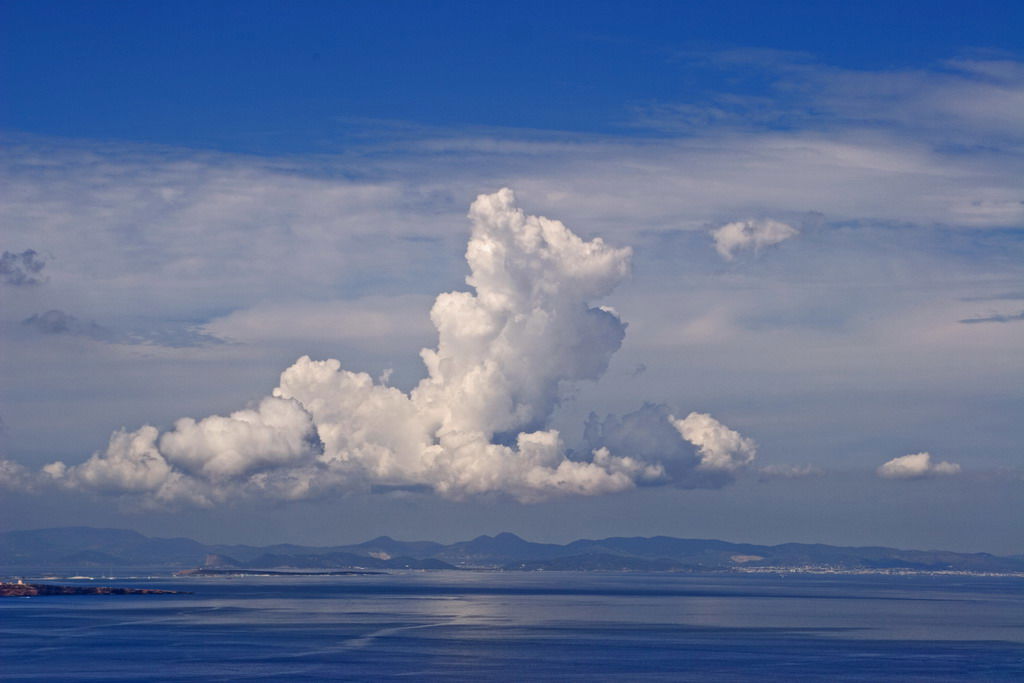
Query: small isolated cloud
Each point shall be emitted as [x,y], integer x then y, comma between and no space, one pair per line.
[996,318]
[753,234]
[769,472]
[916,466]
[21,270]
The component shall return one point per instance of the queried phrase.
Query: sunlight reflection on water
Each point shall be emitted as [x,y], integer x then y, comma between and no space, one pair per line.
[511,626]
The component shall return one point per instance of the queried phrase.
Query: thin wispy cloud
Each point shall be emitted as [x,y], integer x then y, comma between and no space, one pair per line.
[60,323]
[771,472]
[1001,296]
[977,97]
[996,318]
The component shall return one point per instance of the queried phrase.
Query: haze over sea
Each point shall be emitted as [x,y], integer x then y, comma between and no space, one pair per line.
[469,625]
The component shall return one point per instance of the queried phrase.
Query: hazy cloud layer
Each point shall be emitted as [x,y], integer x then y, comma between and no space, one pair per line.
[916,466]
[477,424]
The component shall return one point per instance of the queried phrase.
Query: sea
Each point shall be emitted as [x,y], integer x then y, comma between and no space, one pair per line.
[523,626]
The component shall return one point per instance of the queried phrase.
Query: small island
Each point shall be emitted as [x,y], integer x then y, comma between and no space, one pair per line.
[20,589]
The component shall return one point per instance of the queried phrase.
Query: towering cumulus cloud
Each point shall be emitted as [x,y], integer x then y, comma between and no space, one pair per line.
[476,424]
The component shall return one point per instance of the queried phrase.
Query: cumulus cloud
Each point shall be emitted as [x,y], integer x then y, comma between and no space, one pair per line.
[15,477]
[477,424]
[719,448]
[21,269]
[200,461]
[696,452]
[916,466]
[754,234]
[277,432]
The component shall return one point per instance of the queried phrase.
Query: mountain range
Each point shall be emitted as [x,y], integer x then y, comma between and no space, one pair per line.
[80,548]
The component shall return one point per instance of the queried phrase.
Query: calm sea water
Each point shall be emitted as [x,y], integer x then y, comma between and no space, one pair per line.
[524,626]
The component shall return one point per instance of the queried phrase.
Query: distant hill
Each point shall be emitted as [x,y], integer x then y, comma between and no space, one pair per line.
[79,548]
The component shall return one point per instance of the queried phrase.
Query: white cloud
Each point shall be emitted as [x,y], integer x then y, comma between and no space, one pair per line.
[916,466]
[14,476]
[475,425]
[719,447]
[651,434]
[753,234]
[131,463]
[187,237]
[277,433]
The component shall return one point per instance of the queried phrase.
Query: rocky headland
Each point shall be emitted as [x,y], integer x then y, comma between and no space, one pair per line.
[22,590]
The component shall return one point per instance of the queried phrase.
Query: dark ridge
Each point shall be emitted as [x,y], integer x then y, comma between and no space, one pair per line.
[110,549]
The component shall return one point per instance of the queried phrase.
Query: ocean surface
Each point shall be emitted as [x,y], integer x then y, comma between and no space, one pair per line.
[528,626]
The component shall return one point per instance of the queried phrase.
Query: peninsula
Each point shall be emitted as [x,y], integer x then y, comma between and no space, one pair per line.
[20,589]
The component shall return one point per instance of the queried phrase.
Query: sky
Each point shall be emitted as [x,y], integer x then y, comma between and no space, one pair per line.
[317,272]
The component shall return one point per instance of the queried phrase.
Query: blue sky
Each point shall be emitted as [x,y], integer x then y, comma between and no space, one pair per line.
[264,78]
[198,194]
